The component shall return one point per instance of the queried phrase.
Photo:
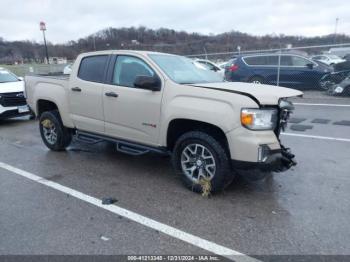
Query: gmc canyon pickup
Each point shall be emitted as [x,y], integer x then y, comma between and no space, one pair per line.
[156,102]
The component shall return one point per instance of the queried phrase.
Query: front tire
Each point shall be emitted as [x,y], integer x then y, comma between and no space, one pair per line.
[199,157]
[54,135]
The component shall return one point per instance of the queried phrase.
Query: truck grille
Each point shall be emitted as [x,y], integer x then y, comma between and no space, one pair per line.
[12,99]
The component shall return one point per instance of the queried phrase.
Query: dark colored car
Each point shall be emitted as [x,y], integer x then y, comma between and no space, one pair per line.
[342,66]
[337,83]
[347,57]
[295,71]
[342,89]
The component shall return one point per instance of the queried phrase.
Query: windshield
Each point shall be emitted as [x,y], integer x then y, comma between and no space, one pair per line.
[334,57]
[6,76]
[183,70]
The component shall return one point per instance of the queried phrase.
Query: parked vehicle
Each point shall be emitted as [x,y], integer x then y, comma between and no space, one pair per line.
[12,100]
[342,66]
[211,66]
[223,65]
[347,57]
[295,71]
[339,51]
[154,102]
[343,88]
[336,83]
[328,59]
[67,69]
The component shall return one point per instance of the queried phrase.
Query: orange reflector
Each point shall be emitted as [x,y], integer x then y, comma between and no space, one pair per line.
[247,119]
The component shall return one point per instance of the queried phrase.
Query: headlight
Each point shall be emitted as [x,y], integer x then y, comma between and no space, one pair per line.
[259,119]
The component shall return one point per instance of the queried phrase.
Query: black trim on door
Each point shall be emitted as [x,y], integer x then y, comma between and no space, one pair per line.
[110,70]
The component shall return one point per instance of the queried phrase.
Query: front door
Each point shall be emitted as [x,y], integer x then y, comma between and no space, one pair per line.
[131,113]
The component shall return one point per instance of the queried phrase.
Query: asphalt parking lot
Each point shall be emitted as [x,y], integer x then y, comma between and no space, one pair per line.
[304,211]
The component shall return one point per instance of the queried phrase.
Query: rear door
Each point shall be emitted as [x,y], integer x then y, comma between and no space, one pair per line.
[263,66]
[85,93]
[131,113]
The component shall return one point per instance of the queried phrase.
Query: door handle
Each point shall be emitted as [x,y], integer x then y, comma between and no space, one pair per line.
[111,94]
[76,89]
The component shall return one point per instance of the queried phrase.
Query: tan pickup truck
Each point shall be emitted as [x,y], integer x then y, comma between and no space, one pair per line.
[154,102]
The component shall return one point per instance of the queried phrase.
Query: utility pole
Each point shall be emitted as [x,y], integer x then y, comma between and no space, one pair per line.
[336,29]
[205,51]
[94,42]
[279,62]
[43,28]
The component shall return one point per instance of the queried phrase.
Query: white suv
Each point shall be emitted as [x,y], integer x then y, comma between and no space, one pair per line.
[12,100]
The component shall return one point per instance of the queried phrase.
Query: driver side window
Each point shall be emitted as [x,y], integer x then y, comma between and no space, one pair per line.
[128,68]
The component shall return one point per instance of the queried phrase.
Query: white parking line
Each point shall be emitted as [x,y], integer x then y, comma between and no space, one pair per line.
[318,137]
[168,230]
[310,104]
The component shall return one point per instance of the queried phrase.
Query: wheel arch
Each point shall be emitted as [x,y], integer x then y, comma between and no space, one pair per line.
[180,126]
[44,105]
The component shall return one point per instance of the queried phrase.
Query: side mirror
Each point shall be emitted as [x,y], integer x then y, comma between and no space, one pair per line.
[310,66]
[20,78]
[148,82]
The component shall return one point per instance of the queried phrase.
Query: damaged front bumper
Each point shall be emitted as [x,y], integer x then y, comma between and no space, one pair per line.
[273,161]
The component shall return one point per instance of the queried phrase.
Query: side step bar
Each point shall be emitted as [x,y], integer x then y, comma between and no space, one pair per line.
[131,150]
[123,146]
[88,139]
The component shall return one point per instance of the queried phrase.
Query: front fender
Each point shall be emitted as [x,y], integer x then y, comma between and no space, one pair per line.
[216,112]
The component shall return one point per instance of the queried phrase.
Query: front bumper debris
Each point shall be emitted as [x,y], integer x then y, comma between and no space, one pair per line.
[277,161]
[286,160]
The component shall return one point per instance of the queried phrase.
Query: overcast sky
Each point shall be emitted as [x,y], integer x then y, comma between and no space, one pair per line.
[71,19]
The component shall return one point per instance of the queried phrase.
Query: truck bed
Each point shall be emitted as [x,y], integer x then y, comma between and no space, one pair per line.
[43,86]
[54,76]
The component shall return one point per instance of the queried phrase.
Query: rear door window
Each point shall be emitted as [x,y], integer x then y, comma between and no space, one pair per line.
[272,60]
[92,68]
[286,60]
[255,60]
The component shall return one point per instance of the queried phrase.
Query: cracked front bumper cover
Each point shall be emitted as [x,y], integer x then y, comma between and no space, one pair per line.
[277,161]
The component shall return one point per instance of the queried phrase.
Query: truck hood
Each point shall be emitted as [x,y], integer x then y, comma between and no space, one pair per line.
[263,94]
[12,87]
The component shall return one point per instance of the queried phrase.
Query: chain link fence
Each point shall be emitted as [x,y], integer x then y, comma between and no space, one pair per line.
[25,69]
[322,67]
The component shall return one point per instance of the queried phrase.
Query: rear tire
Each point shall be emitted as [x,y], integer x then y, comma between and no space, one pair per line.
[54,135]
[198,155]
[257,80]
